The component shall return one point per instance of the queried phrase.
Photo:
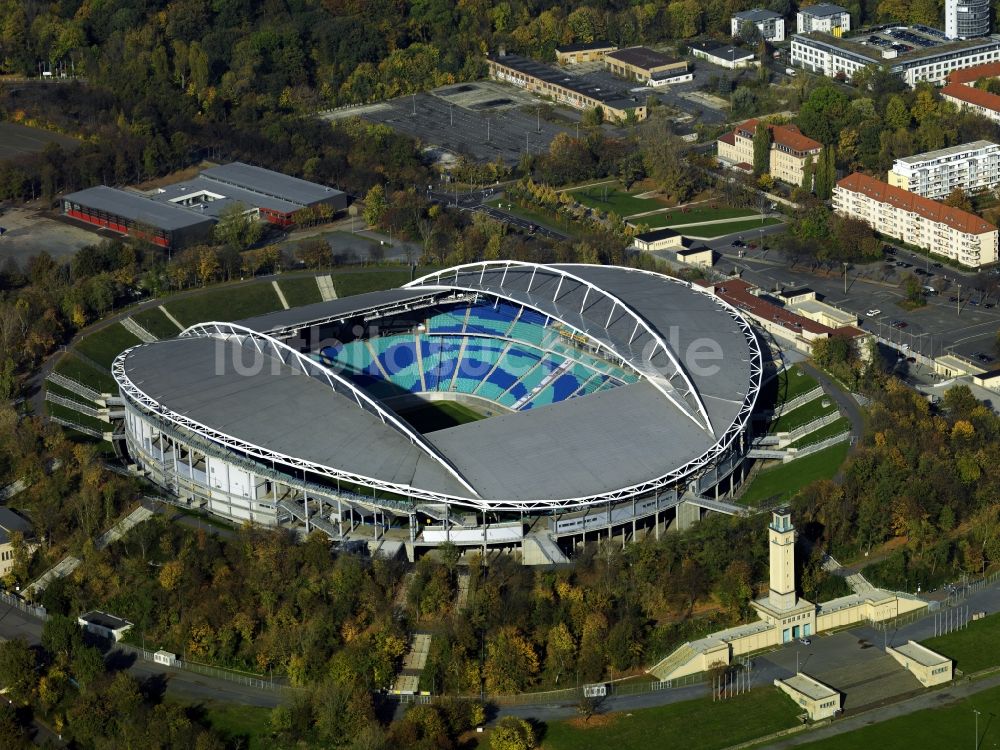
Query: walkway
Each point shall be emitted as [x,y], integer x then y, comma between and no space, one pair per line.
[845,402]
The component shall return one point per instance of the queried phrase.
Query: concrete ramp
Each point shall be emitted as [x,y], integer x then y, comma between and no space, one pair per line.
[137,330]
[281,295]
[540,549]
[326,289]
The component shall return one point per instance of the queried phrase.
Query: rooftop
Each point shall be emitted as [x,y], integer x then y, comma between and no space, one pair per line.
[730,52]
[555,76]
[584,46]
[807,686]
[104,620]
[211,198]
[656,234]
[738,293]
[642,57]
[921,654]
[822,10]
[911,44]
[944,153]
[269,183]
[756,14]
[973,74]
[137,208]
[11,522]
[931,210]
[972,95]
[788,136]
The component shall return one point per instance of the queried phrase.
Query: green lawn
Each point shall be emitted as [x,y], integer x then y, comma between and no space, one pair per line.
[701,213]
[731,227]
[539,217]
[58,410]
[243,726]
[347,283]
[228,303]
[834,428]
[945,728]
[785,480]
[83,372]
[104,345]
[803,414]
[300,291]
[694,725]
[617,199]
[67,393]
[793,382]
[158,324]
[439,415]
[972,649]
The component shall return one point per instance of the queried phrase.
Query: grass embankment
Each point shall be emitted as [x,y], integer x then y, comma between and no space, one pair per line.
[614,197]
[104,345]
[702,213]
[973,648]
[711,231]
[793,382]
[82,372]
[941,728]
[242,726]
[803,414]
[834,428]
[782,482]
[542,219]
[158,324]
[226,303]
[346,283]
[300,291]
[695,725]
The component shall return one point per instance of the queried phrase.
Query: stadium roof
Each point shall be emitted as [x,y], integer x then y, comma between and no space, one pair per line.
[137,208]
[569,454]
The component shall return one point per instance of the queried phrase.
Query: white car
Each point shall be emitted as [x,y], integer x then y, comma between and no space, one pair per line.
[873,313]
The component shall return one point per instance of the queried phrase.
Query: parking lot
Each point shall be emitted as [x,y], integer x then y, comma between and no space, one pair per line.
[29,232]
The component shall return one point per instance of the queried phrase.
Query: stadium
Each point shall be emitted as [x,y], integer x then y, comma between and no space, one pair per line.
[497,404]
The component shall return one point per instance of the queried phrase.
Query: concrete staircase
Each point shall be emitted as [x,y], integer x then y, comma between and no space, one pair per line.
[540,549]
[138,331]
[326,290]
[171,318]
[679,658]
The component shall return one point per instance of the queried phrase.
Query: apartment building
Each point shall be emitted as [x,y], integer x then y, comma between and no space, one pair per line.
[826,17]
[562,88]
[789,149]
[962,92]
[894,212]
[771,25]
[971,166]
[914,54]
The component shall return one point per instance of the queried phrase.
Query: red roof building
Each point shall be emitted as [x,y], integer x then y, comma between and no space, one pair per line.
[789,149]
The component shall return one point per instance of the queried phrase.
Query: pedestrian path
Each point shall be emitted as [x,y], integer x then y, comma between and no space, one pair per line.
[326,290]
[137,330]
[281,295]
[171,318]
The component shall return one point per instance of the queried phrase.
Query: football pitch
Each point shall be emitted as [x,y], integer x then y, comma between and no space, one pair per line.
[439,415]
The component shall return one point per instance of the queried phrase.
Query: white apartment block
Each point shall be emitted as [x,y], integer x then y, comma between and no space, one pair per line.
[894,212]
[971,166]
[771,25]
[829,56]
[828,18]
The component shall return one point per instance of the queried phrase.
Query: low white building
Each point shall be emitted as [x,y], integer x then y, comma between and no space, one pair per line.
[771,25]
[825,17]
[929,667]
[731,56]
[818,700]
[973,167]
[104,625]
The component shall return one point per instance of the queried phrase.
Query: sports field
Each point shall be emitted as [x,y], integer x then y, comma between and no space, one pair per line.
[945,728]
[972,648]
[614,197]
[439,415]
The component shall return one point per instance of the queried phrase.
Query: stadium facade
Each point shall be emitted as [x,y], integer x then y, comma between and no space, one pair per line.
[610,399]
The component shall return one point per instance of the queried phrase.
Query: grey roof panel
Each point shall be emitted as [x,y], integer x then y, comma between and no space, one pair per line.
[266,182]
[822,10]
[138,208]
[756,14]
[231,195]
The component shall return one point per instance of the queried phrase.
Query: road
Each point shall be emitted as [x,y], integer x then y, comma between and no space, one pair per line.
[476,201]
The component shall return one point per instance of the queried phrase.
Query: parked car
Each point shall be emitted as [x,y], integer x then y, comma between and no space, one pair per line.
[804,641]
[953,298]
[889,250]
[738,243]
[936,265]
[900,324]
[873,312]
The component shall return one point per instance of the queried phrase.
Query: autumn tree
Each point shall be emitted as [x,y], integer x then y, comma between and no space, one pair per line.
[959,199]
[512,733]
[237,227]
[761,149]
[511,662]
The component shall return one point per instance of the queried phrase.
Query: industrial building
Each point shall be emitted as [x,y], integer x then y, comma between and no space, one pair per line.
[574,54]
[184,213]
[769,24]
[731,56]
[965,19]
[826,17]
[973,167]
[565,89]
[917,53]
[789,150]
[647,66]
[928,224]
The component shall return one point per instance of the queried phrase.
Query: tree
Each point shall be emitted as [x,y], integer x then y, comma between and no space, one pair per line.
[896,114]
[17,669]
[825,173]
[761,149]
[376,205]
[511,661]
[959,199]
[237,227]
[512,733]
[592,118]
[807,173]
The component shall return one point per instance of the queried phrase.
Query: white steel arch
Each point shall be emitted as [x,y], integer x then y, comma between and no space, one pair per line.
[688,394]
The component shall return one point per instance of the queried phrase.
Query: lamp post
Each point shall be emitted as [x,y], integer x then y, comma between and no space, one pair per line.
[845,276]
[958,303]
[976,711]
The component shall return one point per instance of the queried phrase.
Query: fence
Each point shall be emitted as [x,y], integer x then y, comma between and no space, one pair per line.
[796,402]
[809,427]
[806,450]
[956,597]
[21,605]
[249,679]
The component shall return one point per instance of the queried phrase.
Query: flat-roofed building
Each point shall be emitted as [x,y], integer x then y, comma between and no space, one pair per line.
[10,524]
[818,700]
[647,66]
[658,239]
[826,17]
[565,89]
[929,667]
[962,92]
[769,24]
[928,224]
[731,56]
[789,149]
[973,167]
[914,54]
[584,52]
[104,625]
